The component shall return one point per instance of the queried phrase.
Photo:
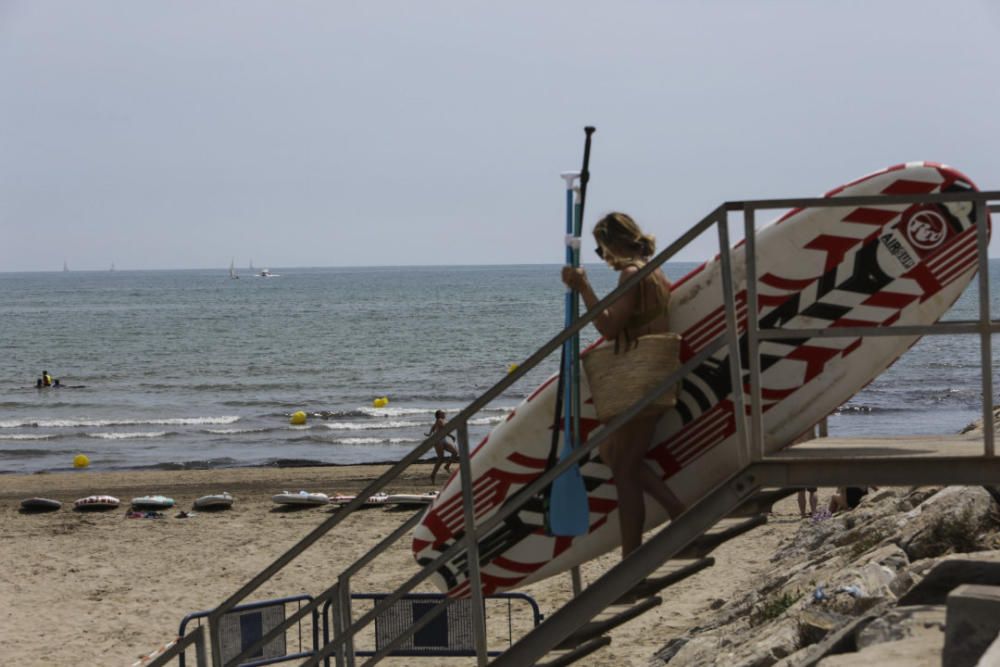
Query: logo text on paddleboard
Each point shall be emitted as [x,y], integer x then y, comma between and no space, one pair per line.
[926,229]
[897,250]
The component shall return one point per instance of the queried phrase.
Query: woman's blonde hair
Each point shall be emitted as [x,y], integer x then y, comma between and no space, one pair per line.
[620,236]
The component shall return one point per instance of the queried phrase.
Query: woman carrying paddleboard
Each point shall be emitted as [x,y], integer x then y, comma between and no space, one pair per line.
[641,311]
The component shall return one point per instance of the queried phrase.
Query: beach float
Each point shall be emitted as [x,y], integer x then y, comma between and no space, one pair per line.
[301,498]
[96,503]
[381,402]
[380,498]
[40,505]
[873,265]
[81,461]
[218,501]
[411,498]
[152,502]
[298,418]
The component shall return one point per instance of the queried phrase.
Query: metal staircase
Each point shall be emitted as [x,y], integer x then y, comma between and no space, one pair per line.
[823,462]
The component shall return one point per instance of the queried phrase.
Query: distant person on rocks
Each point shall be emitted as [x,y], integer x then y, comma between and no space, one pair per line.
[813,502]
[813,498]
[441,446]
[847,498]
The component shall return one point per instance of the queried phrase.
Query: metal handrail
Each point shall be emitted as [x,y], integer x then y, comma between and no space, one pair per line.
[729,338]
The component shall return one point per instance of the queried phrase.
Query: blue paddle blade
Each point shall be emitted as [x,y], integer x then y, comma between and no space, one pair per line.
[569,514]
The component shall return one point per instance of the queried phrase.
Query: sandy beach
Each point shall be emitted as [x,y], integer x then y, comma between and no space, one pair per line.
[100,589]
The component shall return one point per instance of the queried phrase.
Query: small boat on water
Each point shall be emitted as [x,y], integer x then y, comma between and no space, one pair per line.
[232,270]
[266,273]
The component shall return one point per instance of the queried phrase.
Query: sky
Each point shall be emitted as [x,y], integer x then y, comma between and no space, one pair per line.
[158,135]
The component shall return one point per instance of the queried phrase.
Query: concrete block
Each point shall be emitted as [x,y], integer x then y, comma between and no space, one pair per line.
[973,621]
[992,656]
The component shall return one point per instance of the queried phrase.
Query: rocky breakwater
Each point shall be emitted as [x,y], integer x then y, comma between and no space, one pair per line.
[863,587]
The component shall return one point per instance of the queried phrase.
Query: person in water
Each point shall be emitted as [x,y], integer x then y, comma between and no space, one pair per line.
[441,446]
[46,379]
[640,311]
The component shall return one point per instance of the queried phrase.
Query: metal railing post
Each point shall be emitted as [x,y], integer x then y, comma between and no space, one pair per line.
[753,350]
[574,573]
[214,643]
[985,335]
[200,656]
[732,336]
[472,546]
[345,656]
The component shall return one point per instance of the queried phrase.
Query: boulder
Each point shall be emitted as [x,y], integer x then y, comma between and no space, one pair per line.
[973,624]
[901,623]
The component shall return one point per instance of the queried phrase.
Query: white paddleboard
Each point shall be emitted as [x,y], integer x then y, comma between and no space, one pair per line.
[96,503]
[219,501]
[872,266]
[152,502]
[40,505]
[301,498]
[411,498]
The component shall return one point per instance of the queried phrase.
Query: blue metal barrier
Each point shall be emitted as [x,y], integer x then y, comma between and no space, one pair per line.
[246,624]
[450,634]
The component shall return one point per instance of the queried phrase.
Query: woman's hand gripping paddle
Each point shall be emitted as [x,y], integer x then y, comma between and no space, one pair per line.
[568,513]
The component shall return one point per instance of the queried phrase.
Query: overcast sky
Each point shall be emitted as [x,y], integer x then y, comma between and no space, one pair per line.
[294,133]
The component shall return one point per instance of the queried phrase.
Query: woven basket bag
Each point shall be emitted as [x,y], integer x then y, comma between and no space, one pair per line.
[619,378]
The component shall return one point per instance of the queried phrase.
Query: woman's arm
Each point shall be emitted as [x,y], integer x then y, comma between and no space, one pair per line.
[610,321]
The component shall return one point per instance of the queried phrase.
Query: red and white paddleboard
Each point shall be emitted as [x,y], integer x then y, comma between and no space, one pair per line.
[850,266]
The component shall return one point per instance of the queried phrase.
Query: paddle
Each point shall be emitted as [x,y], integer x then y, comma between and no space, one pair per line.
[567,510]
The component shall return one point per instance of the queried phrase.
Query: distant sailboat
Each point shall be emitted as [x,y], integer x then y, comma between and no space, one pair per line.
[112,269]
[232,270]
[65,267]
[251,266]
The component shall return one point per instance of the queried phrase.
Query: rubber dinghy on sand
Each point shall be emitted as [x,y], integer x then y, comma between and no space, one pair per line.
[301,498]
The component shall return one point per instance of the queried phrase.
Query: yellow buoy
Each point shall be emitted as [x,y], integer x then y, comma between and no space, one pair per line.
[81,461]
[381,402]
[298,418]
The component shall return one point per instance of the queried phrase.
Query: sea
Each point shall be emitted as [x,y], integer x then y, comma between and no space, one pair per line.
[193,369]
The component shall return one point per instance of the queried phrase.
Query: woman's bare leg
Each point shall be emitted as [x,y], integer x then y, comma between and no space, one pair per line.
[625,453]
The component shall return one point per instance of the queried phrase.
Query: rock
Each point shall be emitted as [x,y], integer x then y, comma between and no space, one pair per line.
[901,623]
[951,521]
[690,651]
[922,651]
[992,656]
[815,624]
[947,574]
[973,624]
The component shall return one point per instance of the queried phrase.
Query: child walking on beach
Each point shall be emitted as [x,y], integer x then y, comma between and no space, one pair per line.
[441,446]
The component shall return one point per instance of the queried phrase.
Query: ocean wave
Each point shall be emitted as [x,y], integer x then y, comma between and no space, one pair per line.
[98,423]
[374,441]
[368,426]
[235,431]
[129,435]
[28,436]
[487,421]
[222,462]
[390,411]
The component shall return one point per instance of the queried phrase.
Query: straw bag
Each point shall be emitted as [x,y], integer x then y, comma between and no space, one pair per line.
[620,377]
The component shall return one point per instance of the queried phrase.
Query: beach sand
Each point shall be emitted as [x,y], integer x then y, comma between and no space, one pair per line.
[100,589]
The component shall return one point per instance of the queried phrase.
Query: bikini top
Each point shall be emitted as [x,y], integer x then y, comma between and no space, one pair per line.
[646,315]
